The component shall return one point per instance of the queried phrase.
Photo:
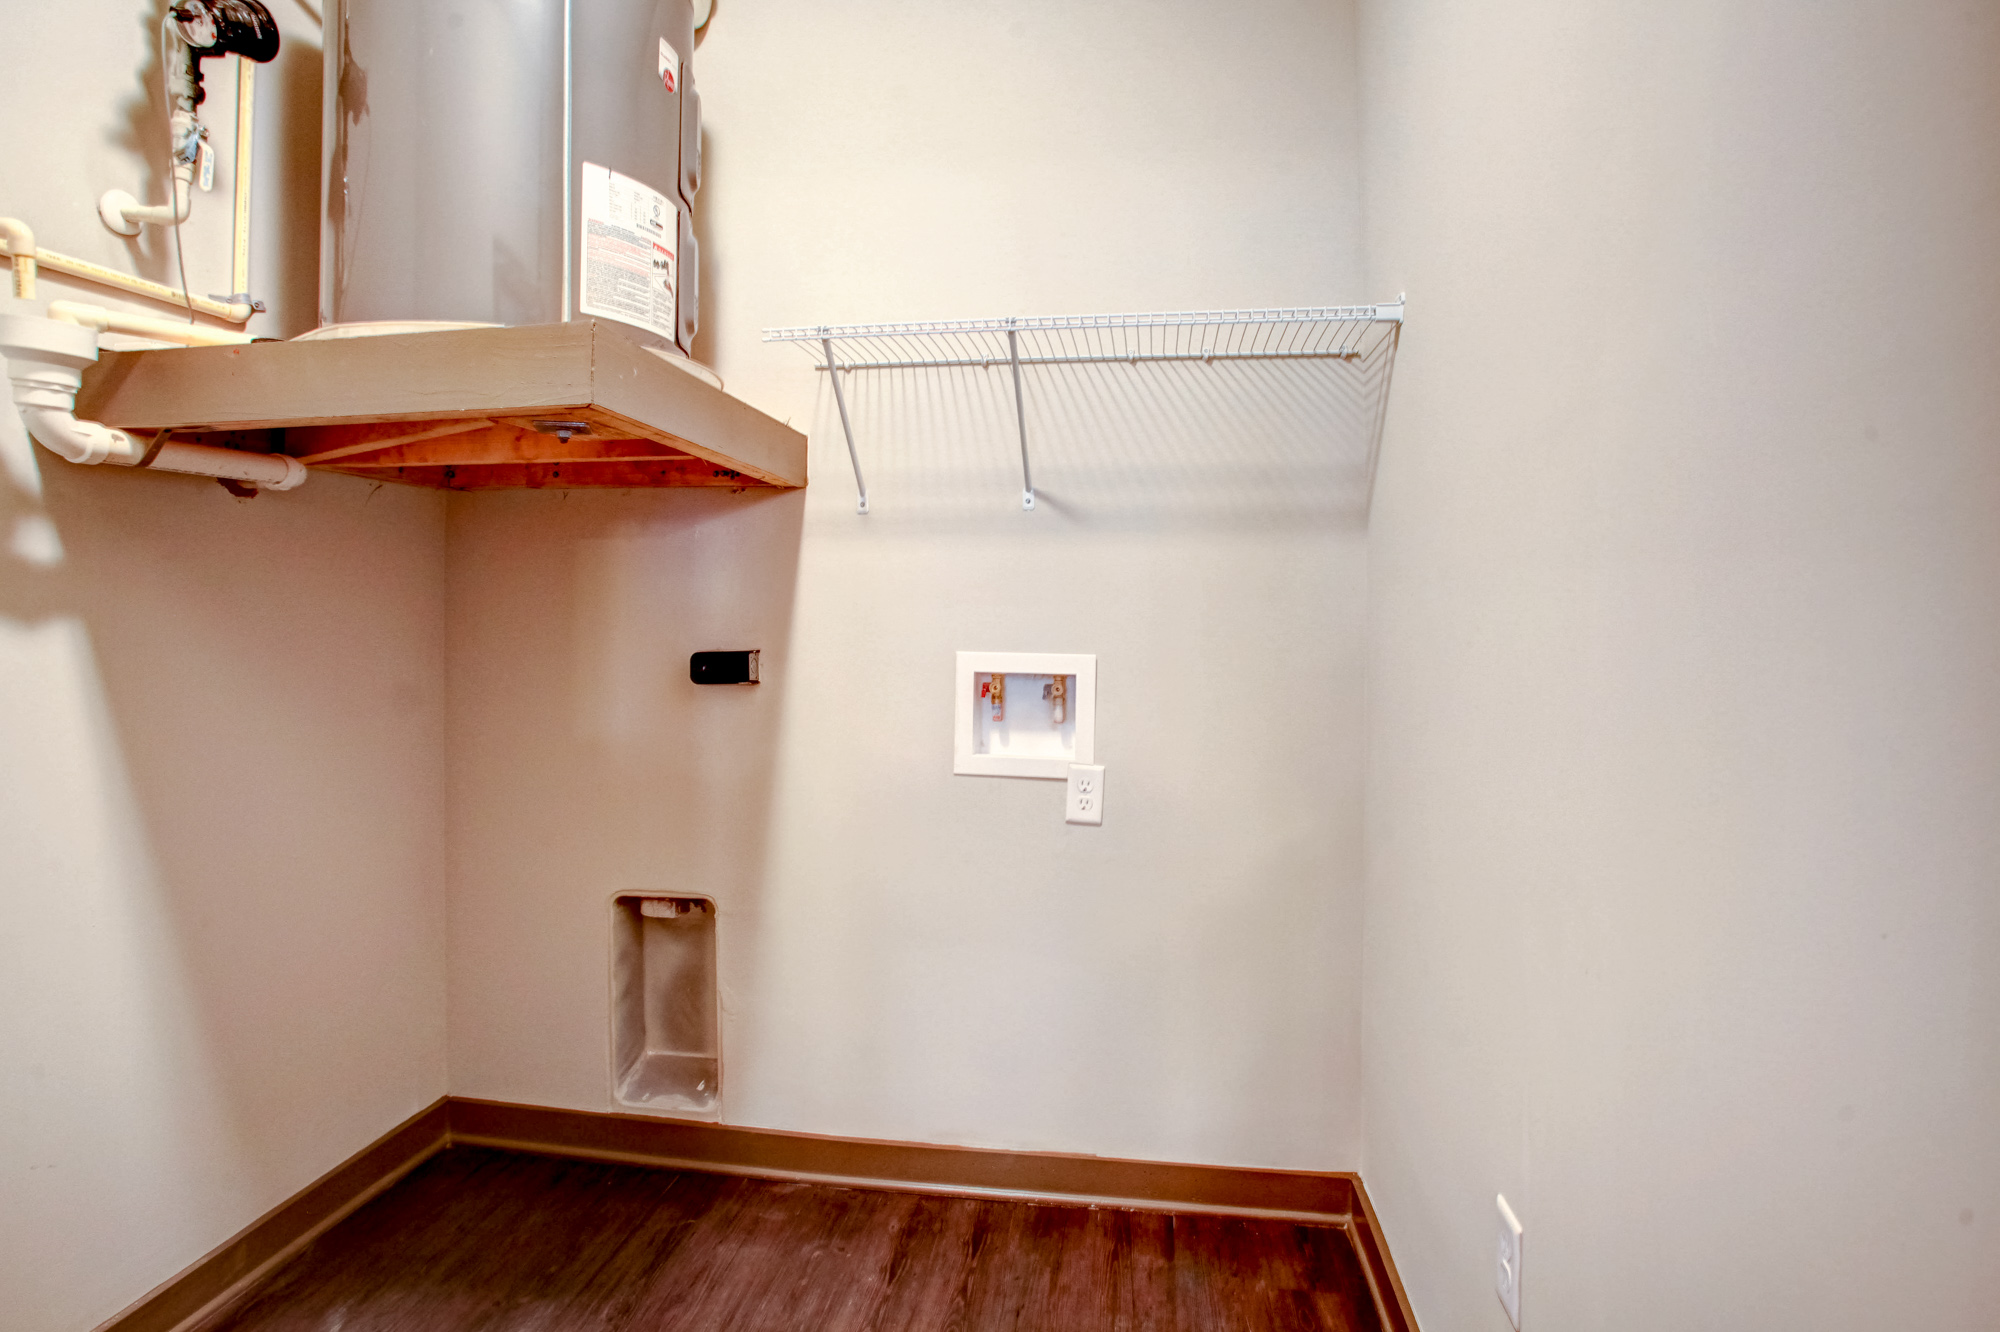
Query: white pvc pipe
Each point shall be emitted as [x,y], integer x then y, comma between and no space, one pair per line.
[246,119]
[56,428]
[236,313]
[101,320]
[62,433]
[20,243]
[268,471]
[125,214]
[45,362]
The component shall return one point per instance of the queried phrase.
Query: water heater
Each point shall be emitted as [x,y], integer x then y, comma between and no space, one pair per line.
[511,162]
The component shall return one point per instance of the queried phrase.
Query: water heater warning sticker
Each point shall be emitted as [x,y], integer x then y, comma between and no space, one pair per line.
[670,66]
[630,263]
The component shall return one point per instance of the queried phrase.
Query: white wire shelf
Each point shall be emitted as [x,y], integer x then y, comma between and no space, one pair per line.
[1333,332]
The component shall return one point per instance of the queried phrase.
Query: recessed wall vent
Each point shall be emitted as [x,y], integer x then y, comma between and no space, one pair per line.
[666,1048]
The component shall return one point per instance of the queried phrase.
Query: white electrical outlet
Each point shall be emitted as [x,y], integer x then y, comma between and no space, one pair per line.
[1085,798]
[1507,1262]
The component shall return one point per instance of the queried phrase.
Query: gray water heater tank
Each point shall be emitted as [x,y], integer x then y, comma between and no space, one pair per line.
[511,162]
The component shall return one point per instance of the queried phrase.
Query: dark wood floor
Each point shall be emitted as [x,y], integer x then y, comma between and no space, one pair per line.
[504,1242]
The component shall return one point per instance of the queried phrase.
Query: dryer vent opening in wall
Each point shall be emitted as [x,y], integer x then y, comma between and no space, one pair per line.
[666,1052]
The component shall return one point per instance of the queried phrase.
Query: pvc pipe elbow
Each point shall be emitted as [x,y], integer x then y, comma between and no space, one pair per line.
[45,362]
[59,431]
[46,359]
[124,214]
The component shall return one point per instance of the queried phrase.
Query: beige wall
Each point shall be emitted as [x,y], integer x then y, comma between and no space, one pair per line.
[907,954]
[1677,595]
[221,795]
[1684,726]
[93,120]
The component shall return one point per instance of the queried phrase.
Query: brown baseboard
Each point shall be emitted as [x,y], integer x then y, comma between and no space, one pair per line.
[214,1282]
[772,1153]
[1392,1302]
[184,1303]
[1334,1198]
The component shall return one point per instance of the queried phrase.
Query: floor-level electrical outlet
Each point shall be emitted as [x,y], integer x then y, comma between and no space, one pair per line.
[1507,1262]
[1085,802]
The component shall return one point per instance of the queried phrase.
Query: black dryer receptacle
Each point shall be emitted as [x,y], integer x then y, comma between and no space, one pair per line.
[719,668]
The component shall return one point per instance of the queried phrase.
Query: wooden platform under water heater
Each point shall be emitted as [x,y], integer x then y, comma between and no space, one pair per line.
[545,406]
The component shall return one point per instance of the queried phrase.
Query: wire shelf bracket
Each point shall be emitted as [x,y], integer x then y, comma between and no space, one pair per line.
[1334,332]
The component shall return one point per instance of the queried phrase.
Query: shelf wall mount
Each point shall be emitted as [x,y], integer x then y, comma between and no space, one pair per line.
[1336,332]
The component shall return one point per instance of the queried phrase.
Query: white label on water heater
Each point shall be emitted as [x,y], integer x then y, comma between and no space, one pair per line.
[670,66]
[630,262]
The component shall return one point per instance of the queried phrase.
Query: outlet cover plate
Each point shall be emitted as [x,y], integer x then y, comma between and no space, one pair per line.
[1507,1262]
[1084,802]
